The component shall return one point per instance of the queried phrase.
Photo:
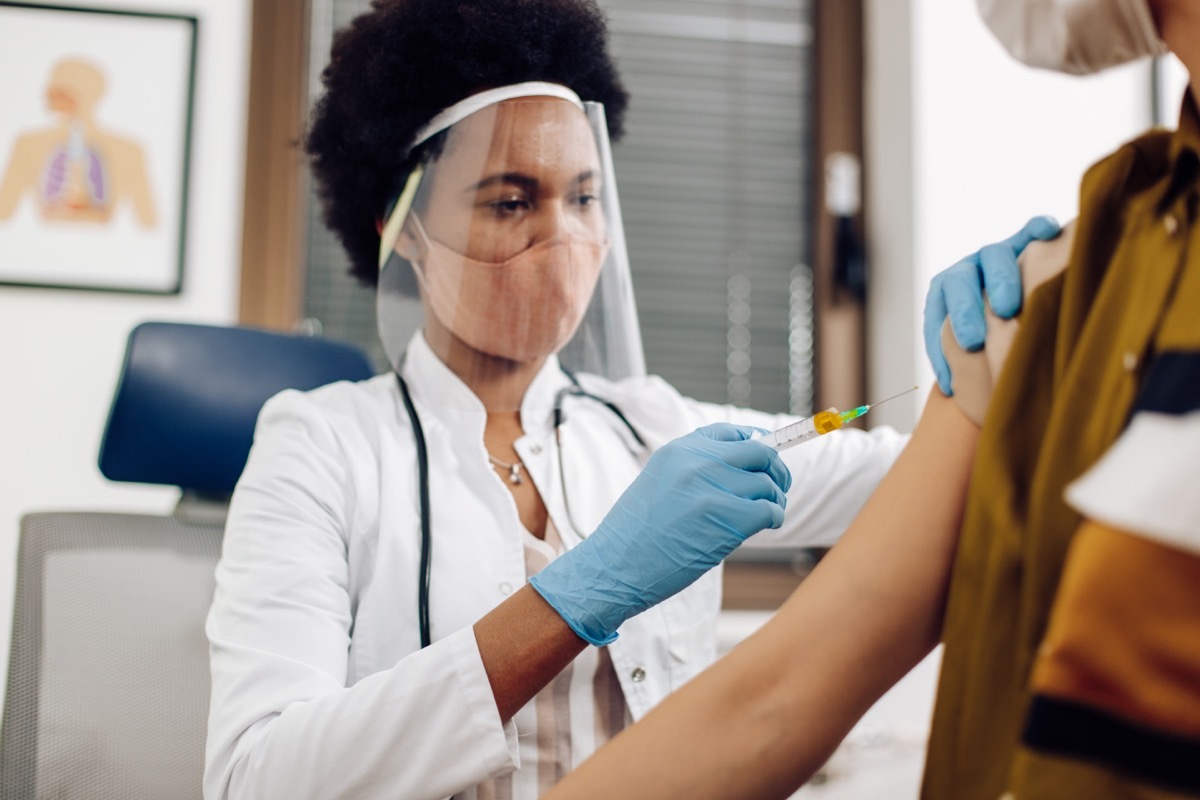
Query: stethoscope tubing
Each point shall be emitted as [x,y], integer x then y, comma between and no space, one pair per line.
[425,566]
[426,538]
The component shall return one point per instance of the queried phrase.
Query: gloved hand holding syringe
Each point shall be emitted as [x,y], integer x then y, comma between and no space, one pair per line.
[819,424]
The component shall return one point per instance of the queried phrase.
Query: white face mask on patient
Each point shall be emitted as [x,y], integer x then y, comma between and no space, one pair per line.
[1075,36]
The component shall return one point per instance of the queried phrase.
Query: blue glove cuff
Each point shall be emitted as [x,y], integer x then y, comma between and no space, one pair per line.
[591,632]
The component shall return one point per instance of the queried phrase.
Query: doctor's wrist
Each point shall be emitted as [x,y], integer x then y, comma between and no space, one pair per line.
[523,643]
[564,592]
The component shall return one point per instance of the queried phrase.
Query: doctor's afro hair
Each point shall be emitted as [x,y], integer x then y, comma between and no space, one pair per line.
[396,66]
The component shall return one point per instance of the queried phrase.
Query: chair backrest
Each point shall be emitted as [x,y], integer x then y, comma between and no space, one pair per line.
[184,409]
[108,676]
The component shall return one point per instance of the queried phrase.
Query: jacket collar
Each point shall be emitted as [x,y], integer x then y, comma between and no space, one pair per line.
[1183,165]
[1187,136]
[444,396]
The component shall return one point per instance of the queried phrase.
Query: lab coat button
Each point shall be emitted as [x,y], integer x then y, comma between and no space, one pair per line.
[1171,224]
[506,588]
[638,675]
[536,449]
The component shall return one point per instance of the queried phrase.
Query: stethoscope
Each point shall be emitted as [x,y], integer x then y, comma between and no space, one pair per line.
[571,390]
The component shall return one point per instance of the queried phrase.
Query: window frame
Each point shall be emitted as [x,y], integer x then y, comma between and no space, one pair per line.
[276,174]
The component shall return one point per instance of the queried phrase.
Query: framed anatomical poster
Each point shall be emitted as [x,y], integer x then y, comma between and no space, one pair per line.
[95,140]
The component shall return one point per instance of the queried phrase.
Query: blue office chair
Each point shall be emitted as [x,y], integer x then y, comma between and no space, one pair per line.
[108,676]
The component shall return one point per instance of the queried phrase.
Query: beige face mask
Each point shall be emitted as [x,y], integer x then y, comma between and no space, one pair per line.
[521,309]
[1074,36]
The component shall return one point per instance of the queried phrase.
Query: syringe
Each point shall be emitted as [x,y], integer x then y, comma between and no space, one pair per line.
[820,423]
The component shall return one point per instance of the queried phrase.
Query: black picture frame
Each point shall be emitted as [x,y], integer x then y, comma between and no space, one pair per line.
[96,117]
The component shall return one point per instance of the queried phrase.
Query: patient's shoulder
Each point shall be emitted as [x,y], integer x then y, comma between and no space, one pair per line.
[343,405]
[976,373]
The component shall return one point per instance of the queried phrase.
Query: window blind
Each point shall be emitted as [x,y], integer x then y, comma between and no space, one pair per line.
[714,175]
[334,303]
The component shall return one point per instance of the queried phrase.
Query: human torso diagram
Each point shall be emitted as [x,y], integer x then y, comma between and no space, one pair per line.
[76,172]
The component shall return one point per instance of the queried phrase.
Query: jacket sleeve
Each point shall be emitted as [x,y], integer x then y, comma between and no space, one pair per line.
[832,475]
[283,721]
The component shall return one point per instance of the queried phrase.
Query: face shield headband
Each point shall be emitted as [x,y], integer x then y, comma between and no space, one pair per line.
[513,232]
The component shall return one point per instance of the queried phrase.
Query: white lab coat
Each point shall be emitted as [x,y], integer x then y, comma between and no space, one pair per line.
[319,686]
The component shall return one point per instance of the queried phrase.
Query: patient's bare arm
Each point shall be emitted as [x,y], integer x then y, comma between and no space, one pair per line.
[763,719]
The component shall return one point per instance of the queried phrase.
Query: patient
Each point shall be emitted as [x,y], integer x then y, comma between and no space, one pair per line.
[1055,550]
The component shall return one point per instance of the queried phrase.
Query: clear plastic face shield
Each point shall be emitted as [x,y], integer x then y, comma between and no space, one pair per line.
[512,235]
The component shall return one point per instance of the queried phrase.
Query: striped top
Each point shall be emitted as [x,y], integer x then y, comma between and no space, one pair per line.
[572,716]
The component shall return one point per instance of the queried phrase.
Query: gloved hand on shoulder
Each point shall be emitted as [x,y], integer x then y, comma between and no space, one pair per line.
[958,292]
[698,498]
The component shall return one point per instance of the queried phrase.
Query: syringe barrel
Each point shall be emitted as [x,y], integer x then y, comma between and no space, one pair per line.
[810,428]
[792,434]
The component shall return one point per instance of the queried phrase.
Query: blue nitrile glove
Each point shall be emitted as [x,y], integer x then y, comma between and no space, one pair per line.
[958,291]
[698,498]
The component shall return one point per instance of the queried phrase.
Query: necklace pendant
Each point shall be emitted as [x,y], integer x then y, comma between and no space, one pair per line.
[514,474]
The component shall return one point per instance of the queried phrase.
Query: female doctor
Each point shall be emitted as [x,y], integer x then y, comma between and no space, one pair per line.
[424,573]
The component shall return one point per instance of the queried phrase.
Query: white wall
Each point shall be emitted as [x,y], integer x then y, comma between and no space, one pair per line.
[60,351]
[964,145]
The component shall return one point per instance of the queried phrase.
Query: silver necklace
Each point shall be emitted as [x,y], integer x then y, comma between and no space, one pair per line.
[514,469]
